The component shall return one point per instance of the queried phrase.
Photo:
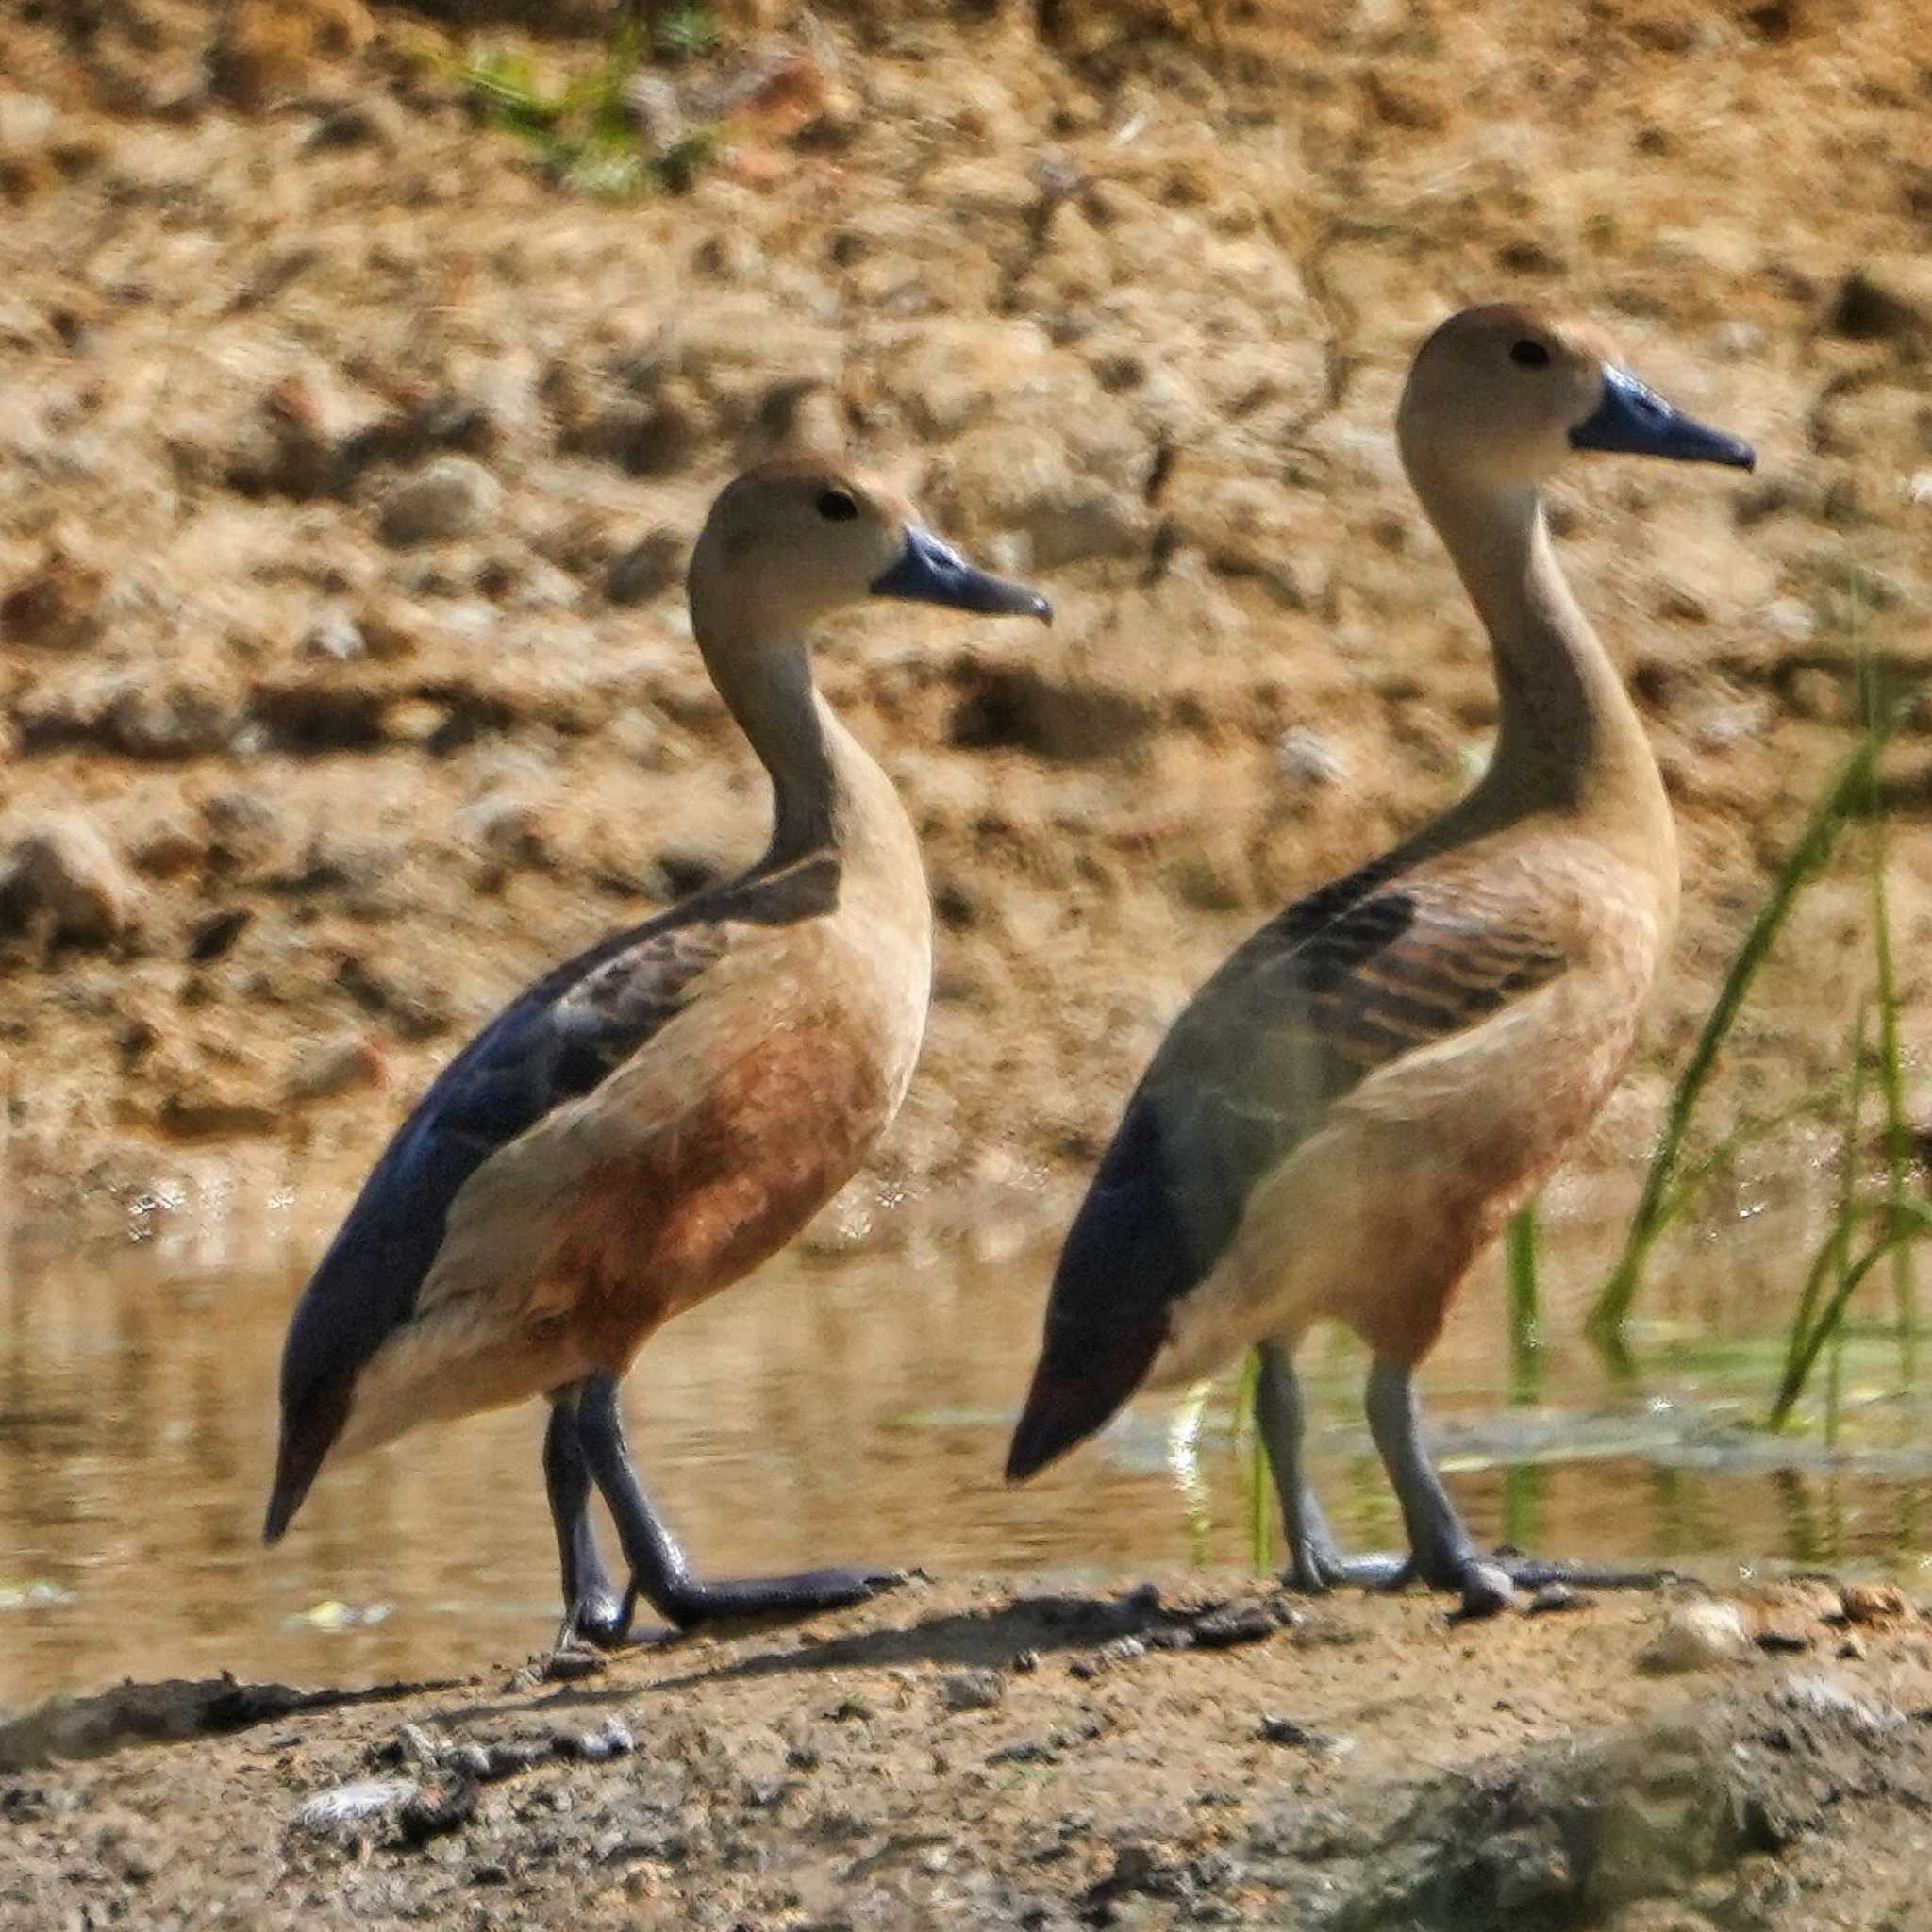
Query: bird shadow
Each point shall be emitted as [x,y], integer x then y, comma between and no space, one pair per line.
[971,1638]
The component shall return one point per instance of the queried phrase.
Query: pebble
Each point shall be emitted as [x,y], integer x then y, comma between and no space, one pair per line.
[1288,1730]
[350,1805]
[340,1065]
[1306,758]
[649,567]
[57,606]
[1696,1636]
[334,637]
[1874,1603]
[373,122]
[1890,300]
[1817,1695]
[1248,1623]
[65,869]
[1553,1597]
[452,496]
[972,1690]
[611,1738]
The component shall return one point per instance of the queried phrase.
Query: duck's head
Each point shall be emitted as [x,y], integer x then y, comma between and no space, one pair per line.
[795,539]
[1504,393]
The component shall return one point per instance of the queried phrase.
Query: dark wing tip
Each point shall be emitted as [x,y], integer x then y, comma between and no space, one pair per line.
[309,1428]
[1077,1390]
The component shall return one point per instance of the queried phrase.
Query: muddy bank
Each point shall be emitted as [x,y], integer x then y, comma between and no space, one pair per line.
[348,458]
[978,1755]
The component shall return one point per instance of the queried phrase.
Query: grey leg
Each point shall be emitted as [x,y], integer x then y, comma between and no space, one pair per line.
[1441,1554]
[1314,1562]
[659,1568]
[591,1607]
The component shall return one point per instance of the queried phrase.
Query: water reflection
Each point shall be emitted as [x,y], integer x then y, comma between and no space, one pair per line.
[828,1412]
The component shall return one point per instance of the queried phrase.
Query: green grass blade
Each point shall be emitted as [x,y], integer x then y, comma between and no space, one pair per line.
[1258,1489]
[1521,1242]
[1912,1222]
[1891,1088]
[1848,793]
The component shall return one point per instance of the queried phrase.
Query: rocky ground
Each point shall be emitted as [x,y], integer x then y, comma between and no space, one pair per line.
[1009,1757]
[348,454]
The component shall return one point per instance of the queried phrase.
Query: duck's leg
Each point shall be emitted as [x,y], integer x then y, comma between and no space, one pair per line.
[659,1570]
[1441,1551]
[1314,1562]
[592,1608]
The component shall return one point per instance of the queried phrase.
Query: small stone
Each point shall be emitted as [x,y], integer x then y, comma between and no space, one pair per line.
[1850,1649]
[1248,1623]
[55,608]
[335,639]
[573,1666]
[65,870]
[372,122]
[343,1064]
[245,829]
[1696,1636]
[1025,1663]
[1890,300]
[167,846]
[1306,760]
[1555,1597]
[1874,1603]
[339,1811]
[972,1690]
[452,496]
[509,831]
[1815,1695]
[611,1738]
[1288,1730]
[1121,1650]
[429,1813]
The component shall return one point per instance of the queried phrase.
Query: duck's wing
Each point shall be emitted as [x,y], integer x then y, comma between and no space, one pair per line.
[1346,982]
[554,1043]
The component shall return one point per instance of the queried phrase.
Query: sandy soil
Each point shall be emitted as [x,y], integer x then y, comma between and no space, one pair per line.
[293,794]
[1016,1755]
[293,790]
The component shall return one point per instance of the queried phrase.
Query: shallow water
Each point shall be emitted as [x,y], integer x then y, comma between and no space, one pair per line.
[828,1411]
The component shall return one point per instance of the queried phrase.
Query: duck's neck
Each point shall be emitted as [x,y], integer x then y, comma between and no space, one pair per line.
[828,794]
[1569,739]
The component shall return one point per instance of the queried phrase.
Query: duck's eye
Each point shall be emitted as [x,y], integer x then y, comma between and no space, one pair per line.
[837,506]
[1529,354]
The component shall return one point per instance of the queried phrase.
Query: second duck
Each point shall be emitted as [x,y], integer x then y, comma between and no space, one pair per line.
[1342,1119]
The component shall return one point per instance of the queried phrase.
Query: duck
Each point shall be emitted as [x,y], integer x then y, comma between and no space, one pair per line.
[1338,1124]
[651,1120]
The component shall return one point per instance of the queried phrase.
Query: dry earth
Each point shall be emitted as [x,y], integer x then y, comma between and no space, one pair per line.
[293,790]
[1001,1756]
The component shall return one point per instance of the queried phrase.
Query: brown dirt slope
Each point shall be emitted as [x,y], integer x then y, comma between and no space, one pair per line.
[347,459]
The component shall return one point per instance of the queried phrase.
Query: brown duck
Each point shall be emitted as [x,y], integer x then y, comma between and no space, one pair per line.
[648,1123]
[1342,1120]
